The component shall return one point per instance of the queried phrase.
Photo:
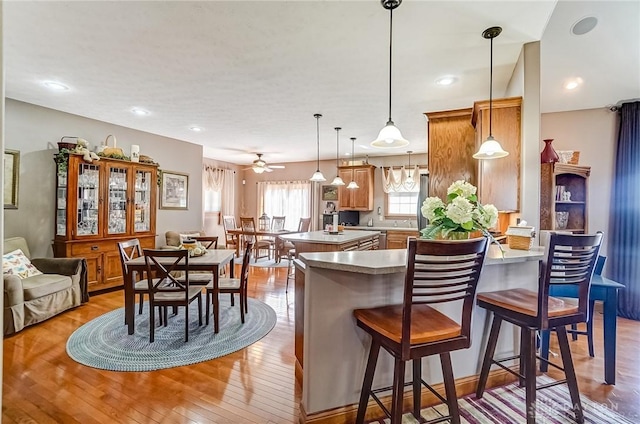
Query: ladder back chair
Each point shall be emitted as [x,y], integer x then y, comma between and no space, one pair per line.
[289,248]
[130,249]
[232,286]
[569,260]
[230,240]
[249,225]
[166,290]
[438,272]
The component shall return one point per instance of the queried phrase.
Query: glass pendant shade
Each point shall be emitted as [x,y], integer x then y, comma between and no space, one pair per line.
[389,138]
[337,181]
[353,185]
[490,149]
[549,154]
[317,176]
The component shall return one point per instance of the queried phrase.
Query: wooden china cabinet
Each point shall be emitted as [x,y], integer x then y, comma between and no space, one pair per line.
[359,199]
[99,204]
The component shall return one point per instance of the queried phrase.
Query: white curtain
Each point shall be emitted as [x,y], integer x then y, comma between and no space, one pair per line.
[223,181]
[291,199]
[396,180]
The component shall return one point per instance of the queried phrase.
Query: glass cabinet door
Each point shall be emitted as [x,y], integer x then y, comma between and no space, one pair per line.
[88,199]
[117,198]
[142,206]
[61,205]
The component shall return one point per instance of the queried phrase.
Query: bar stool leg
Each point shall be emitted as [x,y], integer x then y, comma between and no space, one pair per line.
[417,387]
[488,356]
[570,373]
[368,380]
[592,305]
[523,353]
[530,373]
[398,391]
[450,387]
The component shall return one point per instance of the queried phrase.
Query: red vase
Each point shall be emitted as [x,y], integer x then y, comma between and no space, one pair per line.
[548,154]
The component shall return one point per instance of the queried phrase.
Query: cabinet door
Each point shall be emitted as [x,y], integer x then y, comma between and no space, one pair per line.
[362,197]
[112,269]
[94,267]
[143,200]
[344,194]
[87,201]
[117,199]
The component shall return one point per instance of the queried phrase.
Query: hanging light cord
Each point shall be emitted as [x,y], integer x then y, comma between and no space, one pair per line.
[337,145]
[390,56]
[318,116]
[491,90]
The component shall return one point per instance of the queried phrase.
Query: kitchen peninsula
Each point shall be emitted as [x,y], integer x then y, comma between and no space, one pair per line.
[335,350]
[322,241]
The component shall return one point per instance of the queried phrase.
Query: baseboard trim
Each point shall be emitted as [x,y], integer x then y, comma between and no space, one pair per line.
[347,414]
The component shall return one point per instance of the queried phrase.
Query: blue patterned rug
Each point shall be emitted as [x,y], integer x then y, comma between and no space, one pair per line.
[104,343]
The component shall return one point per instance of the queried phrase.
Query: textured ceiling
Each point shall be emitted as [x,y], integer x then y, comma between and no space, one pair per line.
[252,74]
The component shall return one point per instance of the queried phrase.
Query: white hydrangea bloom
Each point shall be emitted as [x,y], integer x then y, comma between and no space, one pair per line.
[462,188]
[429,207]
[460,210]
[489,218]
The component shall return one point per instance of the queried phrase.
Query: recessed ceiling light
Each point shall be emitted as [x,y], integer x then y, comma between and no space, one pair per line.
[195,129]
[572,84]
[140,112]
[584,25]
[54,85]
[444,81]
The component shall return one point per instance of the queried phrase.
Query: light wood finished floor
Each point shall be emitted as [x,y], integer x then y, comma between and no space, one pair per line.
[41,384]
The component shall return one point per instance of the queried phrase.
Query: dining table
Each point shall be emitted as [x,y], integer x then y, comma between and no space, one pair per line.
[212,261]
[602,289]
[237,232]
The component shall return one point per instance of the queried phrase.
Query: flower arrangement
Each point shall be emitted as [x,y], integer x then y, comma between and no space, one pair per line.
[461,215]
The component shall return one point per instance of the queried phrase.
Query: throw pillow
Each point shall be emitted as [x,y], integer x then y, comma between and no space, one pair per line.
[16,263]
[188,236]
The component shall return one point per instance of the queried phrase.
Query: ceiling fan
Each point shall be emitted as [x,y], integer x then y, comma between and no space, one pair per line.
[259,165]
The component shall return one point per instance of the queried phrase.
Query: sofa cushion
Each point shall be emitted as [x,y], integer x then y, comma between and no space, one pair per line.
[44,284]
[174,238]
[17,263]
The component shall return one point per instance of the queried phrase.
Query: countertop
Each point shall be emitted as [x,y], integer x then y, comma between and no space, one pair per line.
[376,228]
[326,238]
[394,260]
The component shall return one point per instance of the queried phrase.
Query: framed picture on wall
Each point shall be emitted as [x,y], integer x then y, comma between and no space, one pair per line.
[174,190]
[329,192]
[11,174]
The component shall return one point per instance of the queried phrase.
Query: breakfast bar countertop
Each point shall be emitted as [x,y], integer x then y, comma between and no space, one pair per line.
[326,238]
[394,260]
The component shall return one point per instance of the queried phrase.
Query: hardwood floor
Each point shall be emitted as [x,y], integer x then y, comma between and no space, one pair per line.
[41,384]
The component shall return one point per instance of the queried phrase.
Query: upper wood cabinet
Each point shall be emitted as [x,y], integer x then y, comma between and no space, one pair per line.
[99,204]
[499,179]
[559,178]
[450,149]
[359,199]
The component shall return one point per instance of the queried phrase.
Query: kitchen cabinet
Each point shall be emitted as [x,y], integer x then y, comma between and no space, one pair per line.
[397,239]
[559,178]
[499,179]
[359,199]
[99,204]
[451,145]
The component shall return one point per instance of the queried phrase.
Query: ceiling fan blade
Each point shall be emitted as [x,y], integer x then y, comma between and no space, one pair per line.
[267,169]
[276,166]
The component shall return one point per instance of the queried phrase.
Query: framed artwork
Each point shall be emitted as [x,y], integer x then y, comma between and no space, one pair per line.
[11,174]
[329,192]
[174,190]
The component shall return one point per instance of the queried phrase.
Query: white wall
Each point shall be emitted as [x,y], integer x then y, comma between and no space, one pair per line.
[35,131]
[594,133]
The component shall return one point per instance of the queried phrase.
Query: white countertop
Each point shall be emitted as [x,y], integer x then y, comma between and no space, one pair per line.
[394,260]
[380,228]
[326,238]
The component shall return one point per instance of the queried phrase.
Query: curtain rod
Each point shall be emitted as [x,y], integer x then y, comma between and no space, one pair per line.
[401,166]
[213,168]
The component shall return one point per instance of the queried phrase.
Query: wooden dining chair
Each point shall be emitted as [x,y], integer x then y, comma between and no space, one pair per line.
[569,260]
[166,290]
[248,225]
[129,250]
[230,240]
[290,250]
[438,272]
[232,286]
[208,242]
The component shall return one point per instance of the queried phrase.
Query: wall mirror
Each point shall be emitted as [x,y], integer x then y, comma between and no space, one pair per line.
[11,174]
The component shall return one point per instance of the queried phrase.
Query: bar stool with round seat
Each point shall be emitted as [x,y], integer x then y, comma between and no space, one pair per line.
[570,259]
[439,272]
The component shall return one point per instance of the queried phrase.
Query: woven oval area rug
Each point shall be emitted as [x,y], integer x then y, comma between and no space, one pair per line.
[104,343]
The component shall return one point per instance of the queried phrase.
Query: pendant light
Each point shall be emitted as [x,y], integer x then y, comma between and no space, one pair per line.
[317,176]
[389,136]
[353,184]
[409,179]
[337,181]
[491,148]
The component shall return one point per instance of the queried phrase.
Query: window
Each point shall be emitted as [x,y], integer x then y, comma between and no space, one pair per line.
[291,199]
[401,196]
[212,200]
[402,203]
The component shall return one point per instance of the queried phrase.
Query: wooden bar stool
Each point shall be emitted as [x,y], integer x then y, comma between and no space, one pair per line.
[570,259]
[438,272]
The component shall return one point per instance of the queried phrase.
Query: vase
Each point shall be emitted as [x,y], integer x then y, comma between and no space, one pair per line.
[454,235]
[548,154]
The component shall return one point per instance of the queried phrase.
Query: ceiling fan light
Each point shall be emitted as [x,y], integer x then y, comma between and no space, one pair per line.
[258,169]
[490,149]
[317,177]
[389,137]
[353,185]
[337,181]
